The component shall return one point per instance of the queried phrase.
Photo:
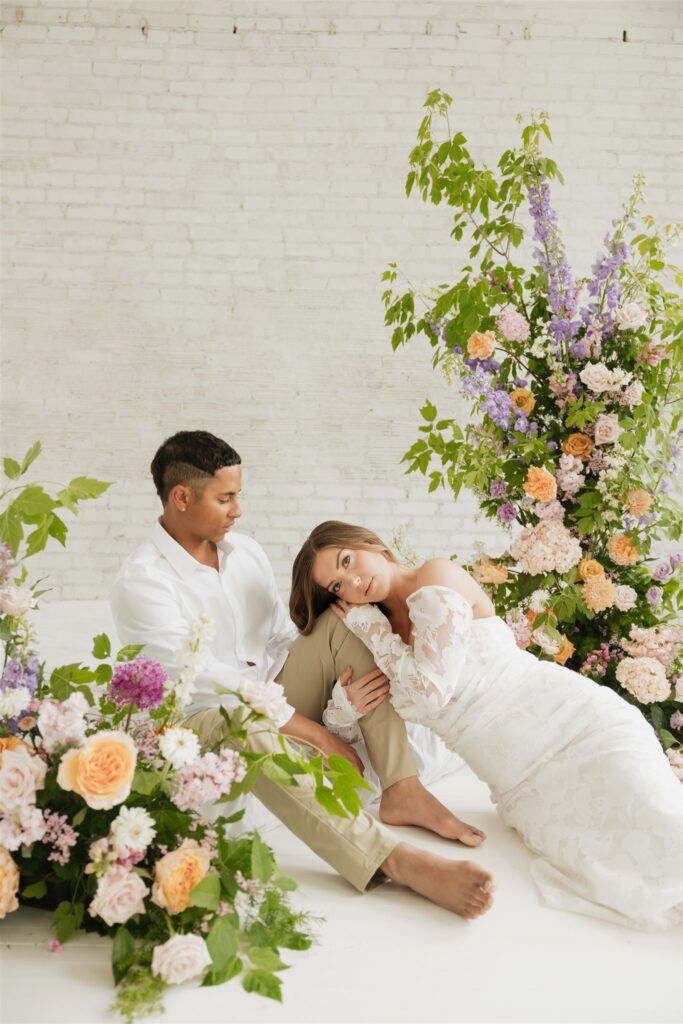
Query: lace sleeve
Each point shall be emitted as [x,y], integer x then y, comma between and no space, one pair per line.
[341,717]
[426,675]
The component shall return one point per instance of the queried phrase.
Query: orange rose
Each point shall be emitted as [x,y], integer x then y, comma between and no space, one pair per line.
[9,883]
[565,652]
[588,568]
[523,399]
[177,873]
[622,550]
[599,593]
[488,572]
[532,616]
[101,771]
[540,484]
[578,445]
[481,346]
[638,501]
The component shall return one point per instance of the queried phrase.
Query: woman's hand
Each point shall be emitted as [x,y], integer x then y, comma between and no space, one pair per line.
[367,692]
[341,608]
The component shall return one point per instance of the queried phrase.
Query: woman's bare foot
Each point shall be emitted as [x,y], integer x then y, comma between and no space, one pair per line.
[407,802]
[460,886]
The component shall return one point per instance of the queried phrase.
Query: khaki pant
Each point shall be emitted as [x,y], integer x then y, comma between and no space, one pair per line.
[355,847]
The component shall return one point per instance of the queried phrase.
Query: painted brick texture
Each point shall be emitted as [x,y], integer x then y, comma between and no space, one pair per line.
[200,198]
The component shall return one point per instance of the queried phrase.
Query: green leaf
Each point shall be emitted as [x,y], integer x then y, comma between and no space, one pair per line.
[11,529]
[103,674]
[276,774]
[12,468]
[262,861]
[79,489]
[79,817]
[428,412]
[284,883]
[264,983]
[146,782]
[31,456]
[232,967]
[67,919]
[35,891]
[207,893]
[129,652]
[265,957]
[667,738]
[57,529]
[33,500]
[122,951]
[101,646]
[37,540]
[222,943]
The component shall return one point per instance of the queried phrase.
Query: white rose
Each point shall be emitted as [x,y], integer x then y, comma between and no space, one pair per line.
[16,600]
[181,958]
[624,597]
[631,316]
[120,894]
[14,701]
[179,746]
[544,641]
[266,698]
[597,377]
[21,774]
[607,429]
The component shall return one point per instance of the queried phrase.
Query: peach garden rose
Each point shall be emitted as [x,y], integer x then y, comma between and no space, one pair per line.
[102,770]
[176,875]
[481,346]
[588,567]
[9,883]
[599,593]
[540,484]
[622,550]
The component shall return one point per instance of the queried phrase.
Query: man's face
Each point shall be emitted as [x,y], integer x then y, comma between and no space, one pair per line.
[212,510]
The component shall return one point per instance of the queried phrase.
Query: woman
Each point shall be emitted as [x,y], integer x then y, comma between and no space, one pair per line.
[571,766]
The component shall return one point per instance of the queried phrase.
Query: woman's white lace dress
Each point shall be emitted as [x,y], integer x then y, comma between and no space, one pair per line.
[571,766]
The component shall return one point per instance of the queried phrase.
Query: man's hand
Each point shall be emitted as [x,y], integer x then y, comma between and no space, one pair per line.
[331,744]
[367,692]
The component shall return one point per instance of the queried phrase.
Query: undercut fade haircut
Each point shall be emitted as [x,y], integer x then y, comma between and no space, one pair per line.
[190,457]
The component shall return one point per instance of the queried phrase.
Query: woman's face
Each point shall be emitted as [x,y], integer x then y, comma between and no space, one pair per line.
[353,574]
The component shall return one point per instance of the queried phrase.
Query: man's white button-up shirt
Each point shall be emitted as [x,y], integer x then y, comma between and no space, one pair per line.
[161,590]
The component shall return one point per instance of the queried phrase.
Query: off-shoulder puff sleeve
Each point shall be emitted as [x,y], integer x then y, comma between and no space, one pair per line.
[425,676]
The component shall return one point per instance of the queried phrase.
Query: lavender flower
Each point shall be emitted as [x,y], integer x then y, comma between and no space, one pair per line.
[498,489]
[139,682]
[498,405]
[477,383]
[663,572]
[654,596]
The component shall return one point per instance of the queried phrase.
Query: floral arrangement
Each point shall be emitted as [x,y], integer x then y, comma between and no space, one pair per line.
[575,435]
[104,794]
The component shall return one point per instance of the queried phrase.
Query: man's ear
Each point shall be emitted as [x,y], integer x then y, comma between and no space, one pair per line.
[181,497]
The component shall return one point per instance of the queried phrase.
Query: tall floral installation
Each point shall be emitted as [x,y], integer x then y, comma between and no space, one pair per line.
[104,792]
[574,438]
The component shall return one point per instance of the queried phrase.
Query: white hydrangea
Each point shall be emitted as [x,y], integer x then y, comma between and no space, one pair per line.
[645,678]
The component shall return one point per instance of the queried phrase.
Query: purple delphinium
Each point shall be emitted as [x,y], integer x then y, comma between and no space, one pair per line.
[604,286]
[17,673]
[654,595]
[498,489]
[476,383]
[139,682]
[507,513]
[498,405]
[552,258]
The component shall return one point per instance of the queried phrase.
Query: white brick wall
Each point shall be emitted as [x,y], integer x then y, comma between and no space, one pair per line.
[201,196]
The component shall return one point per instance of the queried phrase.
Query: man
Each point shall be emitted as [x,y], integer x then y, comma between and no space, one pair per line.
[189,567]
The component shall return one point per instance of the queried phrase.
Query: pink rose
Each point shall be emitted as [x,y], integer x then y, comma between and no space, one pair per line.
[607,429]
[120,894]
[15,600]
[181,958]
[21,774]
[266,698]
[597,377]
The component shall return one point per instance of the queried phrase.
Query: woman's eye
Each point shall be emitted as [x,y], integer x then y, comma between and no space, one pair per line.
[336,587]
[345,561]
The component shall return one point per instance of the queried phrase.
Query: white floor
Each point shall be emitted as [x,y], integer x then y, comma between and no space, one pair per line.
[387,956]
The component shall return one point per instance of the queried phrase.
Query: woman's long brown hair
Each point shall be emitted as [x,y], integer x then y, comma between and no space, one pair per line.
[307,600]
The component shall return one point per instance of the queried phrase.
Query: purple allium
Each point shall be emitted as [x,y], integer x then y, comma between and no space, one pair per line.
[139,682]
[507,513]
[498,489]
[663,572]
[654,595]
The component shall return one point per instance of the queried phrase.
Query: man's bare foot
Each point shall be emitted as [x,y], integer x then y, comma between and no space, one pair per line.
[460,886]
[407,802]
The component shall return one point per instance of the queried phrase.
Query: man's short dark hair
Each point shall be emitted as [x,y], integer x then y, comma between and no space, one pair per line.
[190,457]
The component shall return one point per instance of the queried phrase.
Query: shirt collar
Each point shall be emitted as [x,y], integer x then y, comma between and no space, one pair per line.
[182,561]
